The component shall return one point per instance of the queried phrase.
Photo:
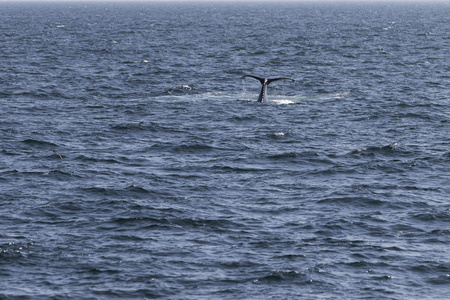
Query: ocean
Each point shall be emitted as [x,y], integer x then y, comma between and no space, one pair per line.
[135,163]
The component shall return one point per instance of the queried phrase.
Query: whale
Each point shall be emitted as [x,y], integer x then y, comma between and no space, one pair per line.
[265,82]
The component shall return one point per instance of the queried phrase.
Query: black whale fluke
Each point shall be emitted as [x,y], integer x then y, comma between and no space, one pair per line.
[265,82]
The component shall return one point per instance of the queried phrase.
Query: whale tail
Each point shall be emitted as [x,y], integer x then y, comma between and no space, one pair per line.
[265,82]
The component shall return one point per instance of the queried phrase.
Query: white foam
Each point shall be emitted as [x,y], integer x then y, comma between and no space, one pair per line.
[282,101]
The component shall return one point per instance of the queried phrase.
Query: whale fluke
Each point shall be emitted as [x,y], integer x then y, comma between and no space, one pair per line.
[265,82]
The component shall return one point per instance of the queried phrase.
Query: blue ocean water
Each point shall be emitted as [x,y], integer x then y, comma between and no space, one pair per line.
[135,163]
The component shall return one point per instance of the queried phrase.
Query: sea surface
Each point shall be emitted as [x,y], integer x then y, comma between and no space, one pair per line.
[136,164]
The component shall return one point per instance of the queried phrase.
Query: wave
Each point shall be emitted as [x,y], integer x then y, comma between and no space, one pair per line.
[86,158]
[283,276]
[33,142]
[144,126]
[390,149]
[186,93]
[182,89]
[361,201]
[192,148]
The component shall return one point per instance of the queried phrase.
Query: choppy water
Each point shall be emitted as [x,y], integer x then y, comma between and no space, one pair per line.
[174,183]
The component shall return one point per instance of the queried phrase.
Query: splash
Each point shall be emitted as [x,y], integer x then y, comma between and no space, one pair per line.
[283,101]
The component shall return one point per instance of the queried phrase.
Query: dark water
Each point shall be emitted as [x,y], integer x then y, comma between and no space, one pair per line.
[175,183]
